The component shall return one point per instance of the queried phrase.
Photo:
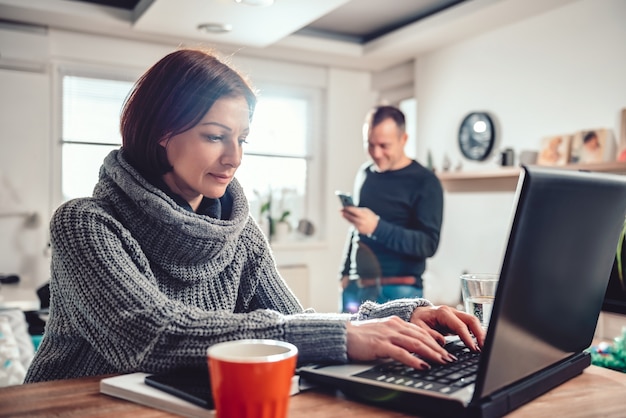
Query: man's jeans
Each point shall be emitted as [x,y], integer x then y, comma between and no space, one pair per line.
[353,295]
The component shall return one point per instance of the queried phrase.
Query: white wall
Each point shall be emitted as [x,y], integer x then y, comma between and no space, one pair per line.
[30,132]
[24,172]
[556,73]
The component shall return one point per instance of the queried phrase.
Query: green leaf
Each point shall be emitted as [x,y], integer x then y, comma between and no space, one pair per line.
[620,265]
[284,216]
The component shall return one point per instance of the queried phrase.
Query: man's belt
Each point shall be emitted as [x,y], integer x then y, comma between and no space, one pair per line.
[384,281]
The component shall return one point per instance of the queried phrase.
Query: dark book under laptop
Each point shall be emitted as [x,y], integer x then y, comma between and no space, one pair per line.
[561,245]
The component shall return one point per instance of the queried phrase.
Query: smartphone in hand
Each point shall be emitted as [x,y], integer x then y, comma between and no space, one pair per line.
[345,199]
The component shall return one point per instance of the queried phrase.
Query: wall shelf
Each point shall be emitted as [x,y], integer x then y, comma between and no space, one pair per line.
[503,179]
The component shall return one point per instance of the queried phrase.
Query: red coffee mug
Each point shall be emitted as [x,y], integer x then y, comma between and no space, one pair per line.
[251,378]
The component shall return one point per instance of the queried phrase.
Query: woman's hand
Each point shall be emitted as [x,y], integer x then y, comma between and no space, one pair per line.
[396,339]
[444,320]
[424,336]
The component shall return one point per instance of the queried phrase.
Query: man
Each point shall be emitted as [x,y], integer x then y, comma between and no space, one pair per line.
[396,221]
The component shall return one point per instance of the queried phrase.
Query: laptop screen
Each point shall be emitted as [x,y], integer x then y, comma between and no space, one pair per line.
[554,275]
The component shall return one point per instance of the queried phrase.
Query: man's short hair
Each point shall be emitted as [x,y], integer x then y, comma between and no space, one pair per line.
[382,113]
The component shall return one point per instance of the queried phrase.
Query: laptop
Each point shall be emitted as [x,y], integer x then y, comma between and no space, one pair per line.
[560,250]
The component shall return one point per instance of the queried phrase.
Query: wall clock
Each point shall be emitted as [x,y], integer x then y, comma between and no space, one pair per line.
[477,136]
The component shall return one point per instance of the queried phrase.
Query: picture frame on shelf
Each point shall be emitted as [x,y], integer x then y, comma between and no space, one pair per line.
[621,154]
[592,146]
[555,150]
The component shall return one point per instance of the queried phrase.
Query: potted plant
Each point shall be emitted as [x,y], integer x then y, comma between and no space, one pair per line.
[275,228]
[282,228]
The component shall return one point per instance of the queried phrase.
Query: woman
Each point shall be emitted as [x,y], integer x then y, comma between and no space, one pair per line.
[164,260]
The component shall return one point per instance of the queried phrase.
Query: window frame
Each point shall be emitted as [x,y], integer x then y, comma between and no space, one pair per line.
[313,202]
[60,69]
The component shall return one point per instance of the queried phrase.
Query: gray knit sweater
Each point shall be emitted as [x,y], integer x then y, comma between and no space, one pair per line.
[140,284]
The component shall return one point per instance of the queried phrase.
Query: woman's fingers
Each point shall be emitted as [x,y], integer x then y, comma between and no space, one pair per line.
[394,338]
[413,343]
[451,321]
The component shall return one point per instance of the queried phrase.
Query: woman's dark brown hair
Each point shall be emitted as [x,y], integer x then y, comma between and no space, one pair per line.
[172,97]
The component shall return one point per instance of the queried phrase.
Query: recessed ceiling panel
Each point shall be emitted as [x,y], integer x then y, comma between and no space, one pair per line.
[364,20]
[251,25]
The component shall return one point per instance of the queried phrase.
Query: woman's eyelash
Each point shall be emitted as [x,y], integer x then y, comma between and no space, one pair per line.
[217,138]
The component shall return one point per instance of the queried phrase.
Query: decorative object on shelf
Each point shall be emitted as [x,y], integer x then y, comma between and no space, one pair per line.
[593,146]
[306,227]
[528,157]
[611,355]
[445,165]
[507,157]
[477,136]
[555,150]
[429,161]
[621,155]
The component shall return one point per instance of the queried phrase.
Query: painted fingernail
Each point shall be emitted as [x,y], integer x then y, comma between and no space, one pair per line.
[447,357]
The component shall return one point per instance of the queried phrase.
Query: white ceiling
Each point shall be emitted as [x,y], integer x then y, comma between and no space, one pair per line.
[360,34]
[253,26]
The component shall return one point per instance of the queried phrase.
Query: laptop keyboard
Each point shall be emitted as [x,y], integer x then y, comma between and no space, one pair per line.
[442,378]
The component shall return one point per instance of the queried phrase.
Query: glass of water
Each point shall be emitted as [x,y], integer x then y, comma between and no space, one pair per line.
[479,292]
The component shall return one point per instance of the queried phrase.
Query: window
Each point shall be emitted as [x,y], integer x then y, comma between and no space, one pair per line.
[279,159]
[90,130]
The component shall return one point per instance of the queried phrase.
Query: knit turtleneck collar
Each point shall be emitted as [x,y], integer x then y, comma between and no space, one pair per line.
[215,208]
[173,238]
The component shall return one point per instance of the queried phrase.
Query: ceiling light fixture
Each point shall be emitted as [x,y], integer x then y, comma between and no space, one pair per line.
[215,27]
[259,3]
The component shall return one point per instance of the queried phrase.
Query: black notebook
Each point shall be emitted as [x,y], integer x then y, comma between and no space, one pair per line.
[191,385]
[561,246]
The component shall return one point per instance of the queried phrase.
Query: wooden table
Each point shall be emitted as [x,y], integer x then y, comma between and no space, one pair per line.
[597,392]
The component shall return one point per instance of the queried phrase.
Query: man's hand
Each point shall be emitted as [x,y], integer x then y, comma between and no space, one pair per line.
[345,281]
[363,219]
